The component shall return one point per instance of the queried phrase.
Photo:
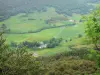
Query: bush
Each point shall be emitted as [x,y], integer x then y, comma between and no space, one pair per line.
[71,67]
[95,56]
[52,43]
[17,62]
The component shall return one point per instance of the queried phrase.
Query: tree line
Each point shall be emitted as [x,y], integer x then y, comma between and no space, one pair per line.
[13,7]
[52,43]
[8,30]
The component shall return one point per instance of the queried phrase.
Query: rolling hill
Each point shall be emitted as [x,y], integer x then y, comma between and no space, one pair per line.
[12,7]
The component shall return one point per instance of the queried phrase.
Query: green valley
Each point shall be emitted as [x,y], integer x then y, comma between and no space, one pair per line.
[50,37]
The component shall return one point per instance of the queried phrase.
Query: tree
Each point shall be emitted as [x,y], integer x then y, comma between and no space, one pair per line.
[4,54]
[13,44]
[4,27]
[17,61]
[92,29]
[79,35]
[1,39]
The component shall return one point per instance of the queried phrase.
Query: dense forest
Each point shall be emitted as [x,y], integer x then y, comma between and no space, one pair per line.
[13,7]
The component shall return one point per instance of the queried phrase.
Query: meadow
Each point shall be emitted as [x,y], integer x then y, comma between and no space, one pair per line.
[32,21]
[36,20]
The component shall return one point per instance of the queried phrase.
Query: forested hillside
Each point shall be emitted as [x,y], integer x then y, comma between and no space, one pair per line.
[12,7]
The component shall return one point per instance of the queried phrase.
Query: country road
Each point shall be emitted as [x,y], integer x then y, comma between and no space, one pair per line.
[61,30]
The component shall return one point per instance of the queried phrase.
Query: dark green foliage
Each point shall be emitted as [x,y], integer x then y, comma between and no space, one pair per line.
[17,62]
[13,44]
[71,67]
[80,35]
[54,42]
[3,28]
[39,30]
[27,44]
[94,56]
[79,53]
[30,44]
[1,40]
[20,62]
[68,66]
[63,64]
[66,7]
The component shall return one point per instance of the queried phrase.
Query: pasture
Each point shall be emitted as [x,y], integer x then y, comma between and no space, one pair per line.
[32,21]
[37,20]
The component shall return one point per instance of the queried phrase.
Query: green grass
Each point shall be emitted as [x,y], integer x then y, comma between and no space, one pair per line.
[72,32]
[43,35]
[48,34]
[76,17]
[63,47]
[52,51]
[20,23]
[68,32]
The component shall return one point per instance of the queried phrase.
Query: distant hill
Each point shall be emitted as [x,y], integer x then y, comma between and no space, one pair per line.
[12,7]
[93,1]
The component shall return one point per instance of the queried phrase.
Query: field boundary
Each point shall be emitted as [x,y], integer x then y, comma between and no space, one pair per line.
[39,30]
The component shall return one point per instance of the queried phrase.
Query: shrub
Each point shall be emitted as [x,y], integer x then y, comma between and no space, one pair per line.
[17,62]
[71,67]
[95,56]
[20,63]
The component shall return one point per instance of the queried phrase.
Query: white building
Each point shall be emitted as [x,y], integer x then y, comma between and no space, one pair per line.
[42,45]
[72,20]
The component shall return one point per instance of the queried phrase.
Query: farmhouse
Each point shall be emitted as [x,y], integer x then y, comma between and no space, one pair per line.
[42,45]
[72,20]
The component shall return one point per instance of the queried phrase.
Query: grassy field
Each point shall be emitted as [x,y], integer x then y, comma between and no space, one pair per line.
[53,51]
[43,35]
[63,47]
[76,17]
[33,21]
[20,23]
[36,20]
[65,33]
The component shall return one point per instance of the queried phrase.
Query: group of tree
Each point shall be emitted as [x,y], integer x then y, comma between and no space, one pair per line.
[92,30]
[3,28]
[52,43]
[17,61]
[13,7]
[27,44]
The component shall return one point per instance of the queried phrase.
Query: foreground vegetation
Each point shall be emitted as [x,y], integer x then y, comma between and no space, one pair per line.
[20,62]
